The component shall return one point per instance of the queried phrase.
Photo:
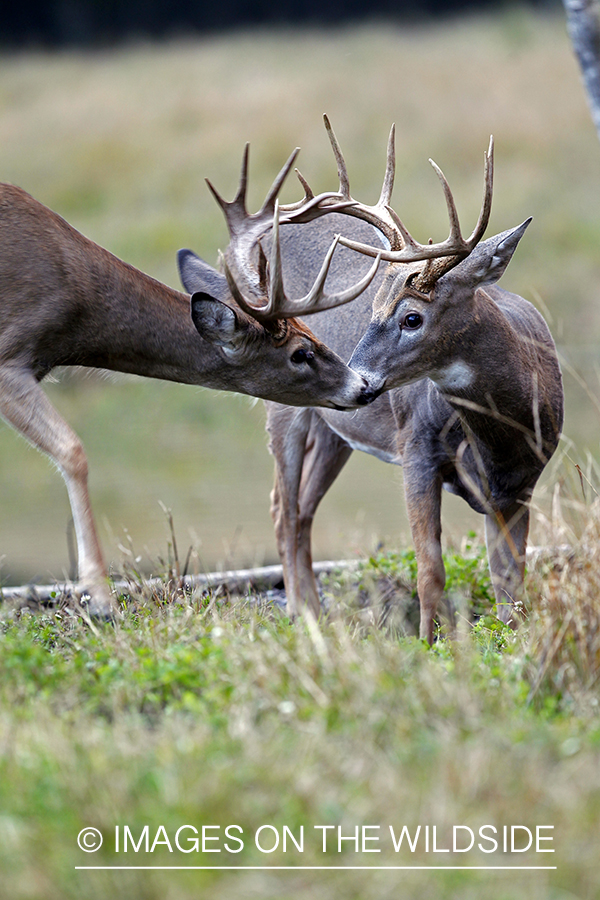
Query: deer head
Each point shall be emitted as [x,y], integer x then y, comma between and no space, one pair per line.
[244,308]
[422,308]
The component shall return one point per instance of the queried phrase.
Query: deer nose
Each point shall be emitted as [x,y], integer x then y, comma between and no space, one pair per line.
[367,395]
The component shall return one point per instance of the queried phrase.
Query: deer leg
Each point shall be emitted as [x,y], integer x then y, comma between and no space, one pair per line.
[25,406]
[288,429]
[506,539]
[326,455]
[424,502]
[308,458]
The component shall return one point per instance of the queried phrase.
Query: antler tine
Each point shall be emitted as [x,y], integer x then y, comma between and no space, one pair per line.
[339,158]
[488,189]
[318,301]
[390,170]
[453,249]
[310,207]
[308,191]
[455,232]
[235,211]
[220,200]
[407,238]
[271,198]
[240,197]
[277,296]
[308,195]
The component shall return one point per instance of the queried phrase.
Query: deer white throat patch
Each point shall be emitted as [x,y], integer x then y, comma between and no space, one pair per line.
[457,376]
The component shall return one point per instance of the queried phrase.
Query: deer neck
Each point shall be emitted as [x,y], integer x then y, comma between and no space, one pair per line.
[496,381]
[68,301]
[129,322]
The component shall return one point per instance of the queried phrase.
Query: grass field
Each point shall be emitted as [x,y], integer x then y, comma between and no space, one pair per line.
[200,712]
[217,711]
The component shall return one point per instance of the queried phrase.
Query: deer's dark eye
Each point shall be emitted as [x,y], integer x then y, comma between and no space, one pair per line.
[412,321]
[301,356]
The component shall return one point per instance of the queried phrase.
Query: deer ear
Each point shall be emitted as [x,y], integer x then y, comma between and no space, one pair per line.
[197,275]
[216,322]
[489,260]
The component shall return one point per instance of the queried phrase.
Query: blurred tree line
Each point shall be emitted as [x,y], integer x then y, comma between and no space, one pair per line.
[100,22]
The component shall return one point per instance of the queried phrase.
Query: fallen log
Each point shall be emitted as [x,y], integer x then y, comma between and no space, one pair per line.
[261,578]
[237,581]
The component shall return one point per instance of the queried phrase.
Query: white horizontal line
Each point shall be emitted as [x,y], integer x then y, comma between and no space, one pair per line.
[328,868]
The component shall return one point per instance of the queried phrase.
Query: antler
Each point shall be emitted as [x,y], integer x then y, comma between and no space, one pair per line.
[403,247]
[380,215]
[265,279]
[278,305]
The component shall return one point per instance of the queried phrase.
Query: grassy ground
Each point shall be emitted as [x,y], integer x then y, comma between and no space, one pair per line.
[214,711]
[119,143]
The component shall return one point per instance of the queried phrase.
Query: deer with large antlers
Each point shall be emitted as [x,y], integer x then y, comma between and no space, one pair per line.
[66,301]
[473,398]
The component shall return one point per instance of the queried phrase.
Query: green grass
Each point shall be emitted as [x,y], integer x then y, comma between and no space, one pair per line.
[196,710]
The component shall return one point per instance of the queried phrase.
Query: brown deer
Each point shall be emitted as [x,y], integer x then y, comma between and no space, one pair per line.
[68,302]
[473,398]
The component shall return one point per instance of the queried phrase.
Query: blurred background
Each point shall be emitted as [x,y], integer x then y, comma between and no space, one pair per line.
[113,113]
[94,22]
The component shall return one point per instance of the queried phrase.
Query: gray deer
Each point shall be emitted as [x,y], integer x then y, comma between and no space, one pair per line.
[471,401]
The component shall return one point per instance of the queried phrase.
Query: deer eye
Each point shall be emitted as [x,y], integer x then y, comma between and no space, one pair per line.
[301,356]
[412,321]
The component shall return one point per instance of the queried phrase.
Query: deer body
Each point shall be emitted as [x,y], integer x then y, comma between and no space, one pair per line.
[65,301]
[473,402]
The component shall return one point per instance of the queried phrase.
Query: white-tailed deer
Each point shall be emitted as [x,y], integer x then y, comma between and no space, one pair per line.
[473,398]
[65,301]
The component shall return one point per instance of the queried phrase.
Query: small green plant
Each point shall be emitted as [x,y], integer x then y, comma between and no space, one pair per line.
[468,584]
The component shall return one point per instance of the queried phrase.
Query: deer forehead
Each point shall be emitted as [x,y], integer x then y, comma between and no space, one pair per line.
[394,293]
[397,302]
[297,329]
[281,332]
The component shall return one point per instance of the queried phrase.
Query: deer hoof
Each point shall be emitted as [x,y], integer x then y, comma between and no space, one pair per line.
[98,603]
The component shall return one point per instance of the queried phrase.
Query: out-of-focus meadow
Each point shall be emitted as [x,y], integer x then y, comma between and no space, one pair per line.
[119,142]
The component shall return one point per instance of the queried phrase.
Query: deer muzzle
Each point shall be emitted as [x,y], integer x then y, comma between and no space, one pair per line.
[368,394]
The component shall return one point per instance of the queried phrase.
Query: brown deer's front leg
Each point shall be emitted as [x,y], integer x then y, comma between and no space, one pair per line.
[506,539]
[25,406]
[423,492]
